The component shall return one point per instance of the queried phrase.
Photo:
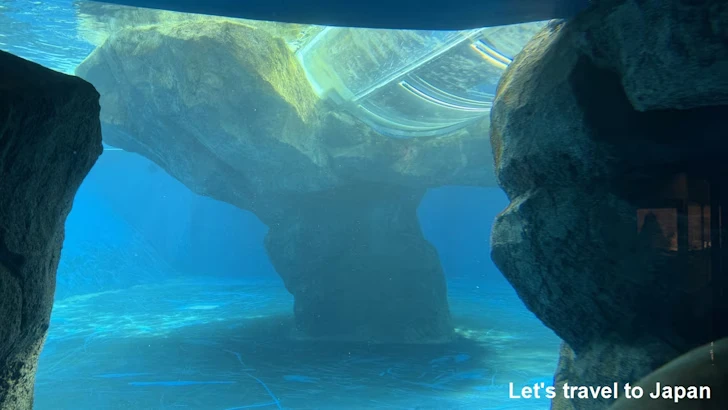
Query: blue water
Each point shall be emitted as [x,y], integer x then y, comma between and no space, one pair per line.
[43,31]
[167,300]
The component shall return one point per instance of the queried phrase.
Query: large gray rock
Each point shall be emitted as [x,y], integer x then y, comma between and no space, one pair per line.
[50,136]
[582,166]
[226,108]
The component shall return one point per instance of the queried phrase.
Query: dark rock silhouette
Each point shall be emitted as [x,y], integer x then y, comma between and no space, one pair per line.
[50,136]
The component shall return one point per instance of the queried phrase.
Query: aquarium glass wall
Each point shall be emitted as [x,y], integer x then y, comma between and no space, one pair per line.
[283,217]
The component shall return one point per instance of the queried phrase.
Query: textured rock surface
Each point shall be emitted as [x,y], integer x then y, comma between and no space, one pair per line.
[703,366]
[562,377]
[578,158]
[50,136]
[359,267]
[226,108]
[670,54]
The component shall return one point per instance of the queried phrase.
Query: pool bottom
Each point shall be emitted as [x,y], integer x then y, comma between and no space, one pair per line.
[224,346]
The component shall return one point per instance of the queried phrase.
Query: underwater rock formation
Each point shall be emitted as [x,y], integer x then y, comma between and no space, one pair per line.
[359,267]
[591,132]
[50,138]
[226,108]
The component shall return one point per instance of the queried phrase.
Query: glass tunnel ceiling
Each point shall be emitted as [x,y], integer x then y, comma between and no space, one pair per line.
[402,83]
[407,83]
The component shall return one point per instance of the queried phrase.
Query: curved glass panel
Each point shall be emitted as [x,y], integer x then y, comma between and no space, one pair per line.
[412,83]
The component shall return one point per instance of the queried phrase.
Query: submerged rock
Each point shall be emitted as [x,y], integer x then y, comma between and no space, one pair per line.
[589,139]
[359,268]
[224,108]
[50,138]
[227,109]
